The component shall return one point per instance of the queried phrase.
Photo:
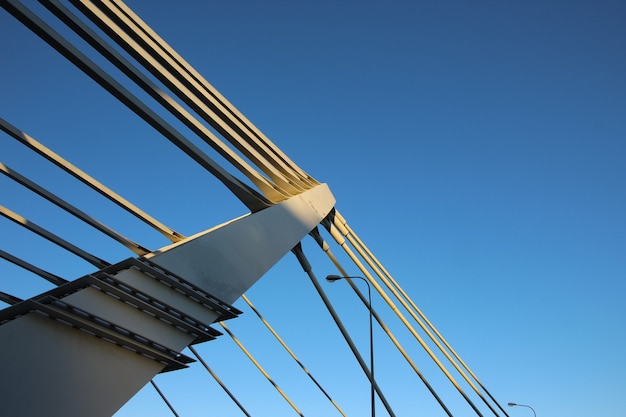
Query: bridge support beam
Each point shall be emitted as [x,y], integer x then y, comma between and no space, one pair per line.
[86,347]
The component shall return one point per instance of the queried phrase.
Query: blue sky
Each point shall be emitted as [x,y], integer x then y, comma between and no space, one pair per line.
[477,149]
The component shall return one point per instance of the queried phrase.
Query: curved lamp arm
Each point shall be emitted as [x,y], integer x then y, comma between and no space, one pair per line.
[523,405]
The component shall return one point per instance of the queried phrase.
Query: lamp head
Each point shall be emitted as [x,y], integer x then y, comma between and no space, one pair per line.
[333,278]
[512,404]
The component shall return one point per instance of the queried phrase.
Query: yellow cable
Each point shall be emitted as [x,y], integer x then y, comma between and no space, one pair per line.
[280,340]
[260,368]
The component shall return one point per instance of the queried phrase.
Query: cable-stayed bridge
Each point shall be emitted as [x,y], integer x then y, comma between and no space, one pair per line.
[116,313]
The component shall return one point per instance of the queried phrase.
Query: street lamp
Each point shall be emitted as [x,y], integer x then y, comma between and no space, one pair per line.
[333,278]
[523,405]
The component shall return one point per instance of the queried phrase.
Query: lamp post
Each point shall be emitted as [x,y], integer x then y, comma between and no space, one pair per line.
[333,278]
[523,405]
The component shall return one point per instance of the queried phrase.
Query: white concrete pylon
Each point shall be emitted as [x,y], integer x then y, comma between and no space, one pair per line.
[89,345]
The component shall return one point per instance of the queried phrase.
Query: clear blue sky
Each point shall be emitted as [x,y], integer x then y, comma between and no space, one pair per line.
[477,148]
